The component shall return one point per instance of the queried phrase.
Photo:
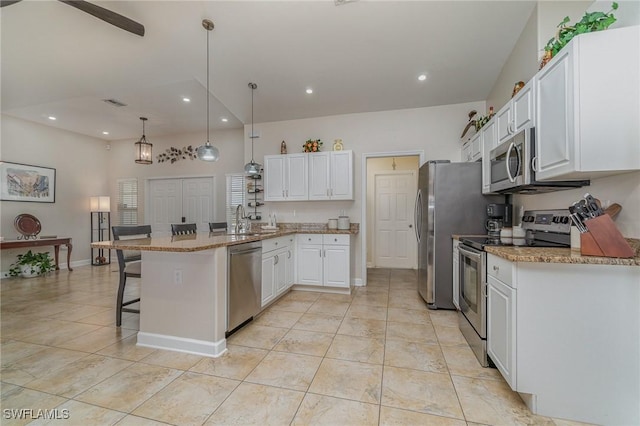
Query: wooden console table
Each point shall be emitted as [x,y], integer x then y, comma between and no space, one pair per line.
[55,242]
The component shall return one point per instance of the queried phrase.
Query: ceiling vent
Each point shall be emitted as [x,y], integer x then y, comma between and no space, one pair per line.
[114,102]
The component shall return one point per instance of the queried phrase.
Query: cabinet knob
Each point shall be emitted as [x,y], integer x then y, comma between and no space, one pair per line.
[335,239]
[276,243]
[496,268]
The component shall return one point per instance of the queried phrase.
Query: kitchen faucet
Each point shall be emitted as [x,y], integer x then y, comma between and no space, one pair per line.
[238,225]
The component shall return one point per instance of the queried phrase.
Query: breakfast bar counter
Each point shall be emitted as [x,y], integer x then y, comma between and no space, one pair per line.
[183,296]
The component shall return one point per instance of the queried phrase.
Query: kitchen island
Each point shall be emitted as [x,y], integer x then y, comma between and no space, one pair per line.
[183,296]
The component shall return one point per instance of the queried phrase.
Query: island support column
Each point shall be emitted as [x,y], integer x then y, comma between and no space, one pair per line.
[183,301]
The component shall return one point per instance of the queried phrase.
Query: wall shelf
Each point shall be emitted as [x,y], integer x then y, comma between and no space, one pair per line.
[254,199]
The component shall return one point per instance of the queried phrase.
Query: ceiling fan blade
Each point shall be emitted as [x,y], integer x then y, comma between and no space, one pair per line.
[4,3]
[107,16]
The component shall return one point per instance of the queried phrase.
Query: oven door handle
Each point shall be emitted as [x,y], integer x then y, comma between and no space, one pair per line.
[512,179]
[471,253]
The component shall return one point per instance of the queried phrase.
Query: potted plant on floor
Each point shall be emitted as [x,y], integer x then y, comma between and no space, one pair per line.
[31,264]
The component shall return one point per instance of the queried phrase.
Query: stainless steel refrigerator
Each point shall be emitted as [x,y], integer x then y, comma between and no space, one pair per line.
[449,201]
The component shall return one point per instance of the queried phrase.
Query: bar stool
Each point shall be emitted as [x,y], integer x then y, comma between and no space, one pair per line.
[130,266]
[183,228]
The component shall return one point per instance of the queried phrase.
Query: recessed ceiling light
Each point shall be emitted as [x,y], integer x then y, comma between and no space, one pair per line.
[52,118]
[224,120]
[309,90]
[186,100]
[105,133]
[422,77]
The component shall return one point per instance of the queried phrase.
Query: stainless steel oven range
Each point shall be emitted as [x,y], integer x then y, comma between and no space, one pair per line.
[544,228]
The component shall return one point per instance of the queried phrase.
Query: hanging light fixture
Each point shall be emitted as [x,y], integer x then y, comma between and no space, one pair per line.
[208,152]
[143,148]
[252,168]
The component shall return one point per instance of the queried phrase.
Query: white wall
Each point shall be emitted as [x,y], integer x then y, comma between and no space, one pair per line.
[524,61]
[435,130]
[520,66]
[229,143]
[81,164]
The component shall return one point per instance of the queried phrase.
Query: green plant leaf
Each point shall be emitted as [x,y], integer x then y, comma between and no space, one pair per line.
[614,6]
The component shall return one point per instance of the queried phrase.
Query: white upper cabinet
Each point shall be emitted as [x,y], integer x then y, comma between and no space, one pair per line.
[316,176]
[319,175]
[489,141]
[285,177]
[588,104]
[331,175]
[342,175]
[517,114]
[472,149]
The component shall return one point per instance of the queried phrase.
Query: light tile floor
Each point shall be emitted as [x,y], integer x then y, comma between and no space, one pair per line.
[376,357]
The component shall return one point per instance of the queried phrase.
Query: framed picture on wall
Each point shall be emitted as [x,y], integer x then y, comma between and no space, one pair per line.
[23,182]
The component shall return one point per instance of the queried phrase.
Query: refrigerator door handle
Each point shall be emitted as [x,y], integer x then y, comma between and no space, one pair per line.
[416,215]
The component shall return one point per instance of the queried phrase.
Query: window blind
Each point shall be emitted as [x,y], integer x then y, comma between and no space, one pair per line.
[127,202]
[235,195]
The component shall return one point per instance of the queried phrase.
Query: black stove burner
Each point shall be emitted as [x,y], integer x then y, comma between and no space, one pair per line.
[480,243]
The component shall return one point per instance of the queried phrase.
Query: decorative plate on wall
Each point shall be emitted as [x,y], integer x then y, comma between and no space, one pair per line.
[27,225]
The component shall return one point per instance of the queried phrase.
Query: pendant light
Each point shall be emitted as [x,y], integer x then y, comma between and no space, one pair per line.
[208,152]
[252,168]
[143,148]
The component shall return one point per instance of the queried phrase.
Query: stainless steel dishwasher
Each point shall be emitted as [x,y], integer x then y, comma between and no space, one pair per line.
[244,281]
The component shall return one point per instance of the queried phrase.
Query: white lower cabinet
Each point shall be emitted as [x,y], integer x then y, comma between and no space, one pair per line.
[501,316]
[501,305]
[277,267]
[324,260]
[456,274]
[559,334]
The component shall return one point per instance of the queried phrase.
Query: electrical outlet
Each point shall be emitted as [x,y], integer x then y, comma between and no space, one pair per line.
[177,277]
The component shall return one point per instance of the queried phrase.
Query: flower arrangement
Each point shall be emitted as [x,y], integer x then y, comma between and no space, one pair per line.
[312,145]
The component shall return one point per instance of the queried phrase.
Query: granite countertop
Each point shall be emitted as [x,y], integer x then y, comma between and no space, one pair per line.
[206,241]
[562,255]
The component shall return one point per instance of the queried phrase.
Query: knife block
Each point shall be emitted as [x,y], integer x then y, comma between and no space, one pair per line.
[604,239]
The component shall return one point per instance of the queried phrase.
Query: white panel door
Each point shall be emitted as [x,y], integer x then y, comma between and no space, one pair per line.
[171,200]
[197,202]
[394,235]
[165,205]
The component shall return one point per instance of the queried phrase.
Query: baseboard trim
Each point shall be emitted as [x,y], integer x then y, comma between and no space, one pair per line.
[181,344]
[321,289]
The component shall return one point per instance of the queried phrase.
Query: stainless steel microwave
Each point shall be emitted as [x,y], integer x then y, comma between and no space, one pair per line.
[512,170]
